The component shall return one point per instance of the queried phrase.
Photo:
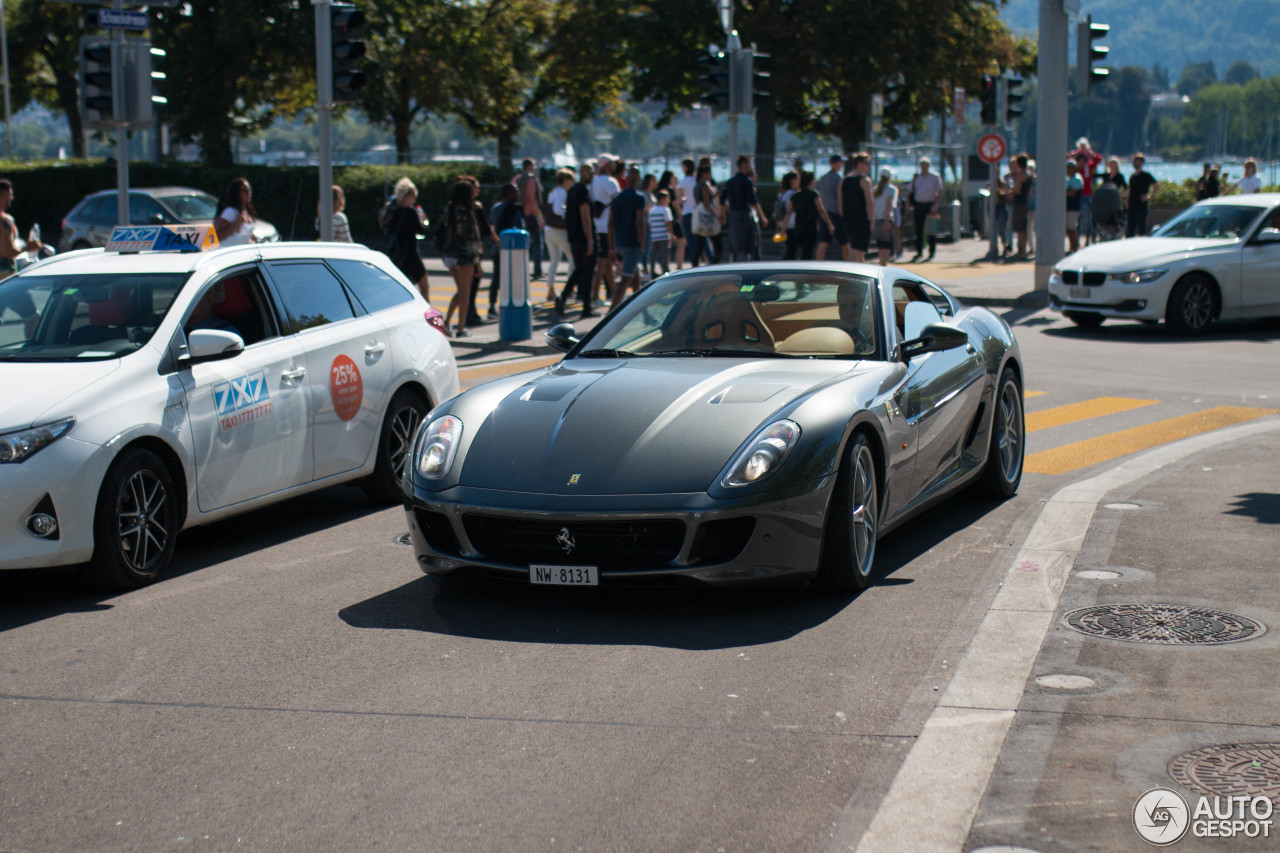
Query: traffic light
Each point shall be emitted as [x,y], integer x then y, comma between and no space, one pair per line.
[715,77]
[98,61]
[139,61]
[1087,53]
[347,52]
[755,77]
[987,98]
[1013,96]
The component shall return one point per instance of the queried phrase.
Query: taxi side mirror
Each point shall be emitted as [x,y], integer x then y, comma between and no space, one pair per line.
[211,345]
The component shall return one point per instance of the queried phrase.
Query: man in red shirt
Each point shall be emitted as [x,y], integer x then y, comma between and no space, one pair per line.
[1088,170]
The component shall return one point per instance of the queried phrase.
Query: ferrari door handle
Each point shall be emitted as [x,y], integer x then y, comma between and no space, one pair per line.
[294,375]
[374,349]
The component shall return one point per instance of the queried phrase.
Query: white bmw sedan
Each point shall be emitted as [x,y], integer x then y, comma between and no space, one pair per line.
[148,392]
[1217,260]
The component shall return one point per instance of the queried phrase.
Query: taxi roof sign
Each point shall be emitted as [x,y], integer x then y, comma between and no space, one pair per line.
[162,238]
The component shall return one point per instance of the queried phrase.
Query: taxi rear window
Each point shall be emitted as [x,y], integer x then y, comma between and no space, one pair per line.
[374,288]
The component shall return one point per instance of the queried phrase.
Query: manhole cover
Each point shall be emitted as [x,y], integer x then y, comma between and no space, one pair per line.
[404,539]
[1231,770]
[1164,624]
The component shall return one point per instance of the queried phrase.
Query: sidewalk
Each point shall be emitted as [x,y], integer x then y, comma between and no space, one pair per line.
[484,355]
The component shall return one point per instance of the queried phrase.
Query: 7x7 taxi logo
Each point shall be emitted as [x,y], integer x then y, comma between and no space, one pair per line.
[241,393]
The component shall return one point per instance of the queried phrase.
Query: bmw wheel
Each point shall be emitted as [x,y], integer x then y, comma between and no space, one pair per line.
[395,443]
[135,528]
[1192,305]
[1002,472]
[850,548]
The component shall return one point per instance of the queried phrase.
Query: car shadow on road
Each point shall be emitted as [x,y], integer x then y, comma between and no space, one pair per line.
[1122,331]
[686,617]
[29,596]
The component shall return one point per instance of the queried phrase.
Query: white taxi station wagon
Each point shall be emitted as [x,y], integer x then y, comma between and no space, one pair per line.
[147,391]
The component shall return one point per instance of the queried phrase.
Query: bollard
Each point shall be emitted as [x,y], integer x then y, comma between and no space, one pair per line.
[515,314]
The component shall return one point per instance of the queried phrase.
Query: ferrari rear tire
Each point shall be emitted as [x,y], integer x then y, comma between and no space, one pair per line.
[395,443]
[1085,319]
[1002,472]
[853,522]
[135,527]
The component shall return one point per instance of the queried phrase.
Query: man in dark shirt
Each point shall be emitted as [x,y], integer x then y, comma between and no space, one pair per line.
[504,216]
[626,234]
[1141,187]
[740,192]
[581,230]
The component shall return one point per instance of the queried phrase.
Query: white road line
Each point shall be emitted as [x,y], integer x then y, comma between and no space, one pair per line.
[933,799]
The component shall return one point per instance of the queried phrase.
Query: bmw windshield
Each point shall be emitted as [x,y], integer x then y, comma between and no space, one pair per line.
[1211,222]
[190,207]
[82,317]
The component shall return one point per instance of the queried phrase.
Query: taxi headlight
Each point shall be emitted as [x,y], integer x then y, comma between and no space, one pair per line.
[763,454]
[437,445]
[1138,276]
[25,443]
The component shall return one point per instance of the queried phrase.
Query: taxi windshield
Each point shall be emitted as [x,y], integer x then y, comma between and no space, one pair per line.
[1211,222]
[82,317]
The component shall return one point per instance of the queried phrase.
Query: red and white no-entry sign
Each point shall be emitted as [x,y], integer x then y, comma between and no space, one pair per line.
[991,148]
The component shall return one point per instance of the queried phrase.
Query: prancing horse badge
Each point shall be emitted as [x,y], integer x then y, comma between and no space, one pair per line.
[573,479]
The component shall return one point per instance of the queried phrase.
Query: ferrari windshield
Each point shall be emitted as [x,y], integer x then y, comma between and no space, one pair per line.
[1211,222]
[793,314]
[82,317]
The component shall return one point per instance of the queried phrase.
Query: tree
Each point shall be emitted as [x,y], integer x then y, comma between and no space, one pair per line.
[1160,76]
[1239,73]
[44,56]
[1196,76]
[233,67]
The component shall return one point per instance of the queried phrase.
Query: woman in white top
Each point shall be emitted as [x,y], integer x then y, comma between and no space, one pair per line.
[341,228]
[556,231]
[234,225]
[885,199]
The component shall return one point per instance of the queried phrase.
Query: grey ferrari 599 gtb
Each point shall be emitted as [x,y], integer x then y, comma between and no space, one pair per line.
[727,424]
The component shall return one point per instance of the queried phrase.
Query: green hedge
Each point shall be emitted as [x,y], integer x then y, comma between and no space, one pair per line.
[286,196]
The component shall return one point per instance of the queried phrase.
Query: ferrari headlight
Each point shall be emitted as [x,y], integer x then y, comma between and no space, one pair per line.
[25,443]
[436,446]
[763,454]
[1138,276]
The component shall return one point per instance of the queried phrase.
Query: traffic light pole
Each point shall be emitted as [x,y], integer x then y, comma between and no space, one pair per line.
[735,96]
[1051,140]
[122,133]
[324,113]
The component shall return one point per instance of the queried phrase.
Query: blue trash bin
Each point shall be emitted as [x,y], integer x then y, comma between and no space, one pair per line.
[515,313]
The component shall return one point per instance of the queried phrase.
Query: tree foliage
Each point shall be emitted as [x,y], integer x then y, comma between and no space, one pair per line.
[44,50]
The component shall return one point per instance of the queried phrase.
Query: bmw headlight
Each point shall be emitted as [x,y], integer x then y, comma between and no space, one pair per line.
[25,443]
[763,454]
[1138,276]
[1055,277]
[437,445]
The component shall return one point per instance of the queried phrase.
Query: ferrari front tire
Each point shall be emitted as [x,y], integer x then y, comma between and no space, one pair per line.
[1002,472]
[853,522]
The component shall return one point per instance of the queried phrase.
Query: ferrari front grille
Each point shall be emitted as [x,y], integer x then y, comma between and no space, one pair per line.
[647,543]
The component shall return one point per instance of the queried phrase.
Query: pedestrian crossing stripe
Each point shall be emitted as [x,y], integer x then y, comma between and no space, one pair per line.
[1082,454]
[1095,408]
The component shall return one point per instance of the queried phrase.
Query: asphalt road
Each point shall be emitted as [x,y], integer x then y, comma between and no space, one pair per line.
[297,684]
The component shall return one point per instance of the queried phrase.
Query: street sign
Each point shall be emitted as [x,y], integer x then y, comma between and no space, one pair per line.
[122,20]
[991,148]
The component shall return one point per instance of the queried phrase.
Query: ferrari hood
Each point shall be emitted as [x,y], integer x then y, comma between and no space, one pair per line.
[633,426]
[1138,252]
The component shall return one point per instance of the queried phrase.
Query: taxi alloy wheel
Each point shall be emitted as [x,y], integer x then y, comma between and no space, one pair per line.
[395,443]
[136,524]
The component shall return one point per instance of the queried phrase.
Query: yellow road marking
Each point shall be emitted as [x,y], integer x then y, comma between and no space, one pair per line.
[1027,395]
[1082,454]
[477,374]
[1094,408]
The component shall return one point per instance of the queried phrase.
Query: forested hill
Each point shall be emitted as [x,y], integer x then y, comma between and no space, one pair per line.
[1175,33]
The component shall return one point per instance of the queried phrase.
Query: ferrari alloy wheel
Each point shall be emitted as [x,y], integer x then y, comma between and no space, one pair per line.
[1191,305]
[853,522]
[136,524]
[1003,470]
[395,443]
